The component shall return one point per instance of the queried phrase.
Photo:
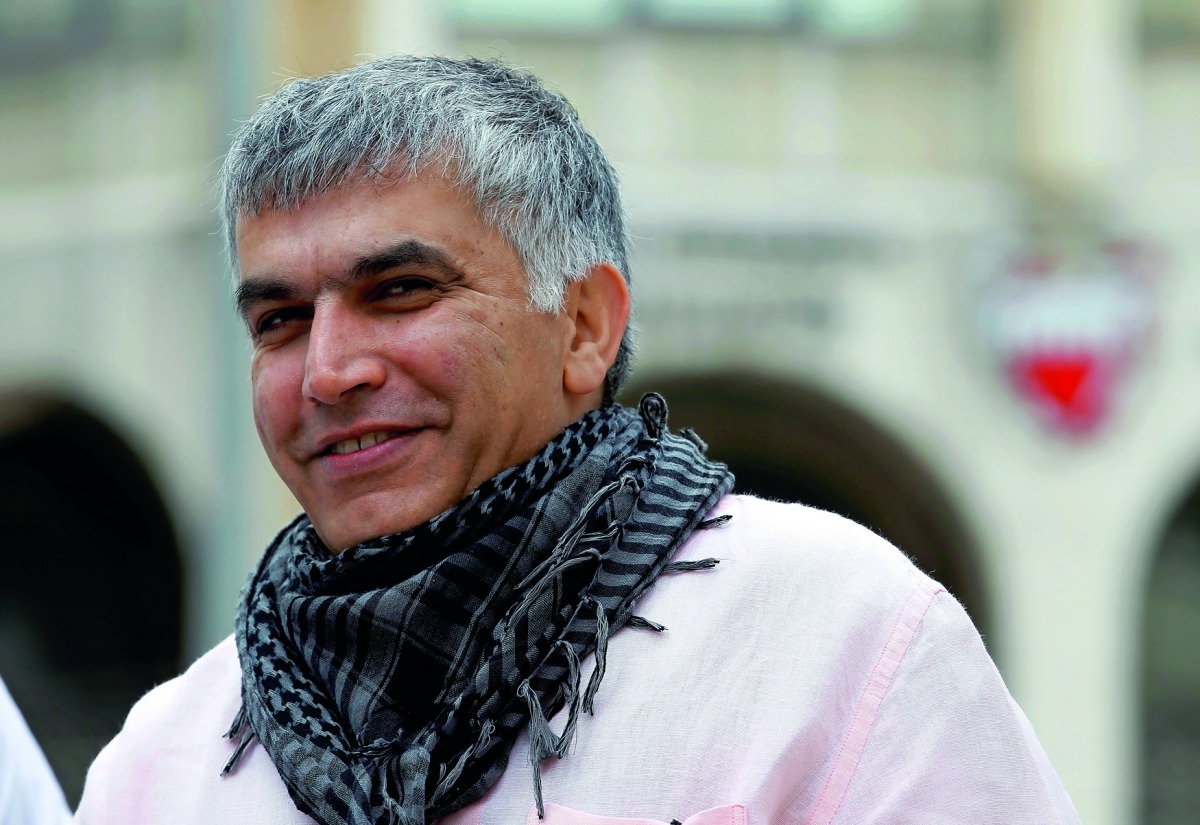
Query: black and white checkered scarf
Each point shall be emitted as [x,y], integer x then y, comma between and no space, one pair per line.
[389,682]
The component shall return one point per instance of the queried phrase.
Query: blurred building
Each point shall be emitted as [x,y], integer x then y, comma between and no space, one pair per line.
[927,263]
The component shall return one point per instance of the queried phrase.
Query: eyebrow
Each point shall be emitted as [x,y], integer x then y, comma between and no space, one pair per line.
[405,253]
[255,289]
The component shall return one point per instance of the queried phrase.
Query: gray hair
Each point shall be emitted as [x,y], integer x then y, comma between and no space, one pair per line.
[535,172]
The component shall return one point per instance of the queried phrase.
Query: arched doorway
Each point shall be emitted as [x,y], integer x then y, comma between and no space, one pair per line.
[90,598]
[1170,684]
[795,443]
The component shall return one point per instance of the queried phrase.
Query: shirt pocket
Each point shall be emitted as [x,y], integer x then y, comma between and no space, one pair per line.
[562,815]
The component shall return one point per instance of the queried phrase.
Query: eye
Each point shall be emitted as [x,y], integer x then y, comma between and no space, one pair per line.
[272,323]
[403,291]
[407,287]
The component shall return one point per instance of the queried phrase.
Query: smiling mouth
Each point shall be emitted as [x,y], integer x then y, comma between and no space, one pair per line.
[363,442]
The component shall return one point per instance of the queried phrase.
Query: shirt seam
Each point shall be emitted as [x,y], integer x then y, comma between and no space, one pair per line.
[870,699]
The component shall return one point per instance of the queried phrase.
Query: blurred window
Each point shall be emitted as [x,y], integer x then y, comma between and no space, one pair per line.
[719,12]
[851,21]
[1171,24]
[1171,675]
[143,26]
[91,595]
[537,14]
[41,35]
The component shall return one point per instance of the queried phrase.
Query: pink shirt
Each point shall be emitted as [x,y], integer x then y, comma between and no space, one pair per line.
[814,676]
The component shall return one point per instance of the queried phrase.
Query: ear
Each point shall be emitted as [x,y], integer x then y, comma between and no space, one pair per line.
[598,306]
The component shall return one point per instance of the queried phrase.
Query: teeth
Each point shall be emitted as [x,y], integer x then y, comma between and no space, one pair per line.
[353,445]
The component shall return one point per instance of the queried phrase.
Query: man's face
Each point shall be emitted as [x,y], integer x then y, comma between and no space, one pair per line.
[397,364]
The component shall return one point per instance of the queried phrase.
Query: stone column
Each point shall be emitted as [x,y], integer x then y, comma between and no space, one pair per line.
[1075,610]
[315,37]
[318,36]
[404,26]
[1072,66]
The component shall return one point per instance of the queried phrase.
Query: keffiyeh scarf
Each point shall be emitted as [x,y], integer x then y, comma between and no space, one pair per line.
[389,682]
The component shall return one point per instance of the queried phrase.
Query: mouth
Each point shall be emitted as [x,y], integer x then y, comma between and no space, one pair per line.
[362,442]
[367,454]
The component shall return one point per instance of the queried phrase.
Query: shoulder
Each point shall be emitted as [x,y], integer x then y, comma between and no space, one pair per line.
[799,550]
[189,711]
[173,729]
[944,741]
[794,578]
[202,696]
[165,764]
[804,532]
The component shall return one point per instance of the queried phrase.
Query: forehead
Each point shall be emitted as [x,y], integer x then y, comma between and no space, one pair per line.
[358,218]
[335,241]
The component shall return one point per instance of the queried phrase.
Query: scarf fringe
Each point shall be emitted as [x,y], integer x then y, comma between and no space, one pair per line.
[589,696]
[690,435]
[541,740]
[238,730]
[687,566]
[574,534]
[481,743]
[232,764]
[239,722]
[645,624]
[571,693]
[540,587]
[715,521]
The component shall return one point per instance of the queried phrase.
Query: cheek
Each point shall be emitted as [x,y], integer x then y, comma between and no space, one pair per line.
[448,358]
[276,394]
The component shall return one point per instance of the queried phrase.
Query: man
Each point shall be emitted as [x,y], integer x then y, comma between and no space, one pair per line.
[431,265]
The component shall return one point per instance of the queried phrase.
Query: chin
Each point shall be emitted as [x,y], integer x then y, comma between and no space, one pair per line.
[355,525]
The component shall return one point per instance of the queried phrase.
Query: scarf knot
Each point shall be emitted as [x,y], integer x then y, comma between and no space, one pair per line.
[653,410]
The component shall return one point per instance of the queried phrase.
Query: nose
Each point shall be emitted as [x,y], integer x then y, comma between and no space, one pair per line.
[339,361]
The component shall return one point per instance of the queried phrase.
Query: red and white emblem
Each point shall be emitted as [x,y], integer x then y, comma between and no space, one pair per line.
[1067,338]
